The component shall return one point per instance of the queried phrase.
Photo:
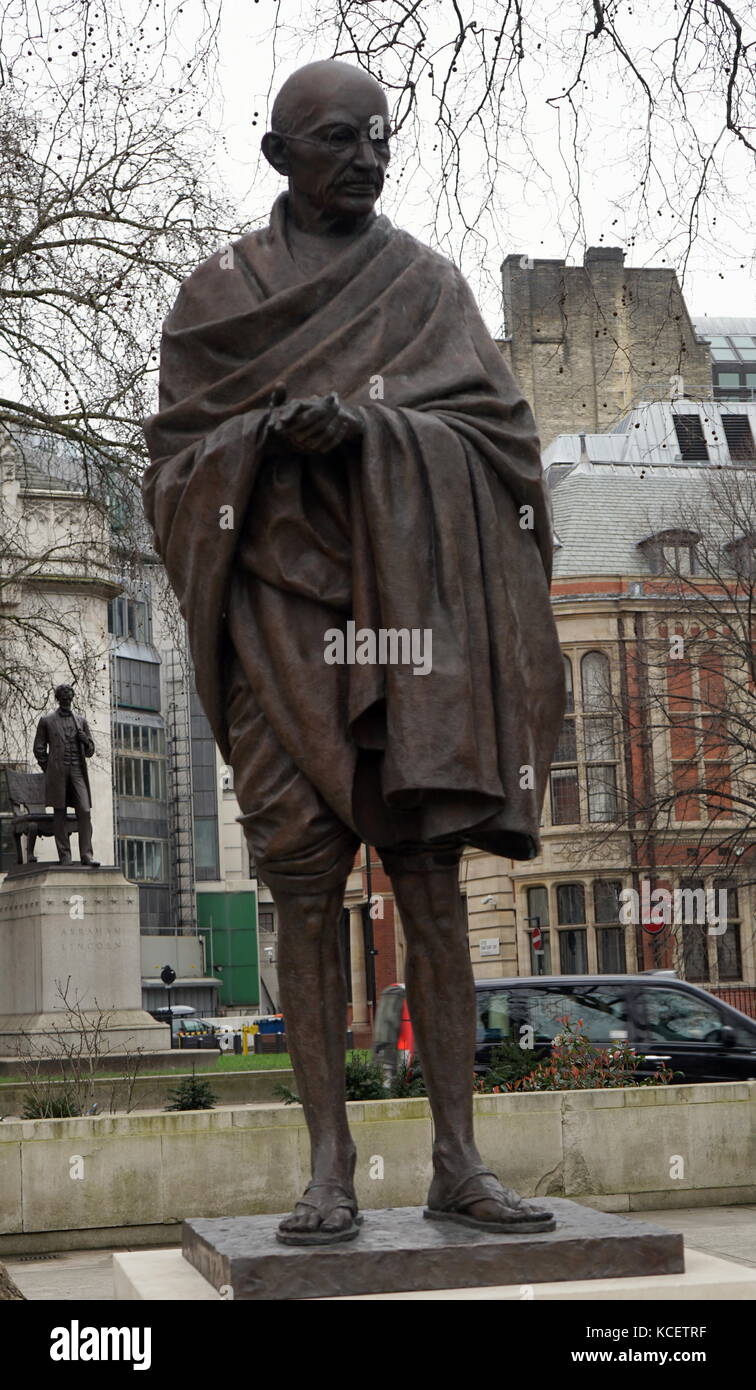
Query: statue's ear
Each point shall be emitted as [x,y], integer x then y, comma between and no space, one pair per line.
[274,149]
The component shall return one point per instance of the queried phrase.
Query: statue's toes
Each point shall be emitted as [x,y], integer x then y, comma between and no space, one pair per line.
[338,1220]
[304,1219]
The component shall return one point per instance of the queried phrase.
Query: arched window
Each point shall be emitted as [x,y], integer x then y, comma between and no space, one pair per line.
[596,681]
[570,705]
[565,798]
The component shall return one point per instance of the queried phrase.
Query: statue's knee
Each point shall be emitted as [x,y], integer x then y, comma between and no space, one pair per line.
[311,913]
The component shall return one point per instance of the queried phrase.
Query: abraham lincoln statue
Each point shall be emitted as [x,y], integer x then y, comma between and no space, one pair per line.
[339,441]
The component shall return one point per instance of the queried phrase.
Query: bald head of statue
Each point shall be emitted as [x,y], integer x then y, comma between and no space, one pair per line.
[329,137]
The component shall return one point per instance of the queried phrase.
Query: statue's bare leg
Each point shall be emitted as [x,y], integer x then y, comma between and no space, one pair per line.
[314,1000]
[441,996]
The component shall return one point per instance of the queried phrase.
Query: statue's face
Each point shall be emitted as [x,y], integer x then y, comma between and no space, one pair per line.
[65,697]
[336,150]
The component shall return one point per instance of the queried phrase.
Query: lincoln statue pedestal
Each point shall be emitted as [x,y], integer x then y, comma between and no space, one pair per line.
[70,965]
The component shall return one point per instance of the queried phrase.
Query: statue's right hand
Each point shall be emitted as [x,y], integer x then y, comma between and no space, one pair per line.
[316,425]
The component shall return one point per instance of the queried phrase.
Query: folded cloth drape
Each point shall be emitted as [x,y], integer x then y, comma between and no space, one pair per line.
[437,519]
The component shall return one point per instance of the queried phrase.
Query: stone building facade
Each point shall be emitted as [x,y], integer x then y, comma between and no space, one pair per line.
[587,342]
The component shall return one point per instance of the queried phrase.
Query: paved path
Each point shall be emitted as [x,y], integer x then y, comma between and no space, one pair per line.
[86,1275]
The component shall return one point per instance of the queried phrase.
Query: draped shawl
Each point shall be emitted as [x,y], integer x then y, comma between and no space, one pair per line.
[438,518]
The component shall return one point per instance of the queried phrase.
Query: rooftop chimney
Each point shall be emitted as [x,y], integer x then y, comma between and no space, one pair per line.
[596,254]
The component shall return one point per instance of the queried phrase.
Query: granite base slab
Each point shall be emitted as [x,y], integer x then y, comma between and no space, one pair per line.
[165,1276]
[398,1250]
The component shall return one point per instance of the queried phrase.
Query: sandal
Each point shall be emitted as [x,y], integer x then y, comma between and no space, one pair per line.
[523,1219]
[319,1236]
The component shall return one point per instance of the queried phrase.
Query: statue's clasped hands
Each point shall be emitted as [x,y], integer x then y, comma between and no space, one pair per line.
[315,425]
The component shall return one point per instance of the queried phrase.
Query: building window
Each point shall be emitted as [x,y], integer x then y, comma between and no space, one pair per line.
[140,738]
[204,792]
[573,948]
[144,861]
[699,909]
[598,737]
[672,553]
[742,556]
[129,618]
[731,358]
[206,866]
[142,777]
[565,795]
[137,683]
[729,963]
[690,437]
[610,936]
[695,954]
[739,438]
[538,917]
[590,757]
[574,925]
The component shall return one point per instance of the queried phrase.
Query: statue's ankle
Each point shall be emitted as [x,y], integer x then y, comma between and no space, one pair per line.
[452,1156]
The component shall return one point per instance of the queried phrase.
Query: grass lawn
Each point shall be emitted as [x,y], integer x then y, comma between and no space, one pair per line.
[271,1061]
[274,1061]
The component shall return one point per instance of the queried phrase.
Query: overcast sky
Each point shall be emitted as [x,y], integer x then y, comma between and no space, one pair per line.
[535,210]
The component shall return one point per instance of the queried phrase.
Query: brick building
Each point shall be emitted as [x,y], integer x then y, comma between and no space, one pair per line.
[618,500]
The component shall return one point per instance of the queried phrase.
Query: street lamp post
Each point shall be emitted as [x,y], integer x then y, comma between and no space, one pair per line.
[168,975]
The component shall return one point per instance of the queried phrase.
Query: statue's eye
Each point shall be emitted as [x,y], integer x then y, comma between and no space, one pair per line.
[342,138]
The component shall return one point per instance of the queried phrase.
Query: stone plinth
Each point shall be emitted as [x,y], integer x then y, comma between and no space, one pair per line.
[155,1275]
[398,1250]
[66,927]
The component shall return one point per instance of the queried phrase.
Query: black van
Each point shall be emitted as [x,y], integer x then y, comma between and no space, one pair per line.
[669,1022]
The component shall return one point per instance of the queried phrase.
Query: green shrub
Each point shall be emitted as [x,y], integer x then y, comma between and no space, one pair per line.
[192,1093]
[508,1063]
[62,1106]
[408,1081]
[364,1081]
[576,1064]
[282,1092]
[364,1078]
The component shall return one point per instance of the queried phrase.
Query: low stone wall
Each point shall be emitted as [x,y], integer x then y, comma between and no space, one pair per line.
[111,1179]
[152,1092]
[172,1059]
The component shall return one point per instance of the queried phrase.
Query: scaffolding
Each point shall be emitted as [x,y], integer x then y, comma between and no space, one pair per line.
[180,791]
[114,752]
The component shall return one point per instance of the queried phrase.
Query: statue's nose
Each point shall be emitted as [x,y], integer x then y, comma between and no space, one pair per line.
[364,155]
